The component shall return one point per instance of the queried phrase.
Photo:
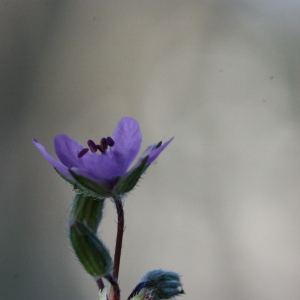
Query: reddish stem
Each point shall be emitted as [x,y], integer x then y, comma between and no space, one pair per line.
[114,294]
[119,240]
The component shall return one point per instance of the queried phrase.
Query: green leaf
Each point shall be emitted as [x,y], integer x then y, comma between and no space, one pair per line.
[128,182]
[90,250]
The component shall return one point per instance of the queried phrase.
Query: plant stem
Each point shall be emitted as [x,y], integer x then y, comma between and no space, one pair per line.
[114,294]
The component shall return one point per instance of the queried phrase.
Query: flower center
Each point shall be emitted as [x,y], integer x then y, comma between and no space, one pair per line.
[102,147]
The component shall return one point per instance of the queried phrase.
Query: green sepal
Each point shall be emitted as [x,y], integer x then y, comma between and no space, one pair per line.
[90,251]
[87,210]
[128,182]
[68,180]
[90,187]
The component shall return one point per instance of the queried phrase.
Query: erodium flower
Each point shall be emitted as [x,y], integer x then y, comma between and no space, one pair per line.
[103,169]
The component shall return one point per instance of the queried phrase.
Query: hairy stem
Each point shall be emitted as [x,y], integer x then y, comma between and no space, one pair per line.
[119,240]
[118,249]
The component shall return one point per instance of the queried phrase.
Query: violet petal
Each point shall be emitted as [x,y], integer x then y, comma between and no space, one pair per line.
[67,151]
[128,139]
[100,167]
[56,164]
[156,152]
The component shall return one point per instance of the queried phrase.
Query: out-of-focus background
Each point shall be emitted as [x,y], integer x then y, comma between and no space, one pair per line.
[221,205]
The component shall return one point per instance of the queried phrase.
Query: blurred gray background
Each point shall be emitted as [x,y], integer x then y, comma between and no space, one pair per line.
[221,205]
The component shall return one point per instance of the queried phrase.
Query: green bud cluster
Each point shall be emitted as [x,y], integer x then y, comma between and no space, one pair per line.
[163,284]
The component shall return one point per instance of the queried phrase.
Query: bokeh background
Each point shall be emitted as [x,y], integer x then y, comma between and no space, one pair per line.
[221,205]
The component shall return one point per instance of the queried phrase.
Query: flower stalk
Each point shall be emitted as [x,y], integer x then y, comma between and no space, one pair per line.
[118,248]
[119,239]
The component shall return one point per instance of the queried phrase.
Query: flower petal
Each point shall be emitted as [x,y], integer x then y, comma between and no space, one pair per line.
[67,151]
[56,164]
[92,165]
[128,140]
[100,167]
[156,152]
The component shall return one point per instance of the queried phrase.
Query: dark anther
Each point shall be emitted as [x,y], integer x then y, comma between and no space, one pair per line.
[159,144]
[100,149]
[109,141]
[103,145]
[92,146]
[82,152]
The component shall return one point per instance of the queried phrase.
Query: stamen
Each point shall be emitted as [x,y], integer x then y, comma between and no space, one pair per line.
[102,146]
[109,141]
[92,146]
[100,149]
[82,152]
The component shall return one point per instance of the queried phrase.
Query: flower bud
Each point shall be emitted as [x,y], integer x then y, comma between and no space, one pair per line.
[162,284]
[87,210]
[91,252]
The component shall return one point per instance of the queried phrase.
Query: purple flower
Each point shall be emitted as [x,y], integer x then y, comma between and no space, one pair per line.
[104,165]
